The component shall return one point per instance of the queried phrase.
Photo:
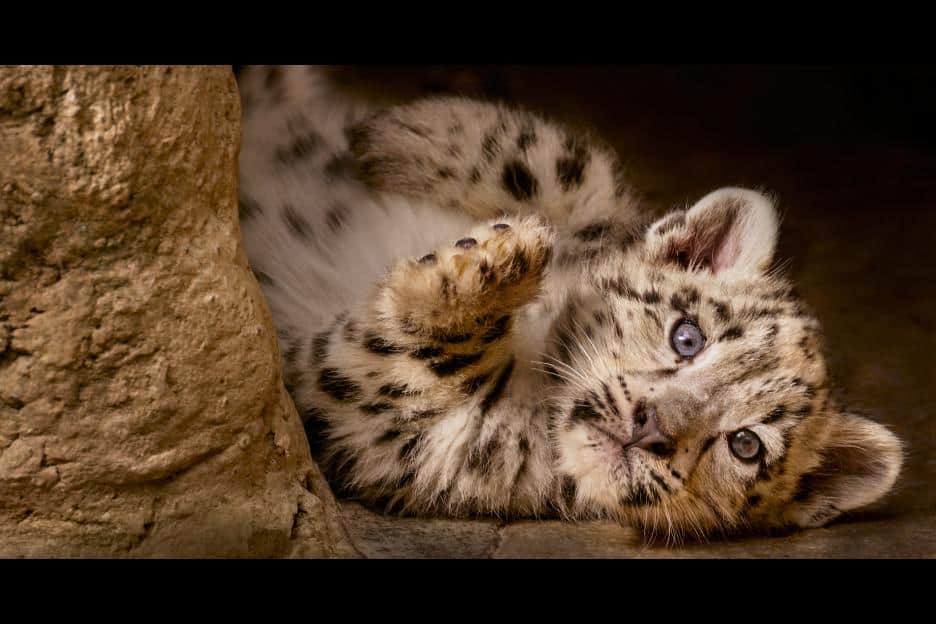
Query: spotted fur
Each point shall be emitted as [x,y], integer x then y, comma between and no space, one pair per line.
[476,317]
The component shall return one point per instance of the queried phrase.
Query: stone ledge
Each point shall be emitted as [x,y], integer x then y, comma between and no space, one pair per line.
[379,536]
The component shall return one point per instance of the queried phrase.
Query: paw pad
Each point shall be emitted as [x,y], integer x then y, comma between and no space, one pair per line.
[501,226]
[428,259]
[466,243]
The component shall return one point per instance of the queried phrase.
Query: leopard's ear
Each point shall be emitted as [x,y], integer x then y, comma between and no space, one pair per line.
[731,232]
[860,462]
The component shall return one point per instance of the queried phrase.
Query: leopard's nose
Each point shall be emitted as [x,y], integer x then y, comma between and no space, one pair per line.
[646,433]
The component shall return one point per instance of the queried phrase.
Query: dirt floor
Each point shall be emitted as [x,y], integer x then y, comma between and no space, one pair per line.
[850,154]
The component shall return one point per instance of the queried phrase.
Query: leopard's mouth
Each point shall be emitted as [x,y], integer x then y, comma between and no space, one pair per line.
[609,435]
[624,448]
[627,462]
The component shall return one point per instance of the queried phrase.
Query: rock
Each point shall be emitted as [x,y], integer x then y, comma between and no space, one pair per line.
[562,540]
[142,408]
[381,536]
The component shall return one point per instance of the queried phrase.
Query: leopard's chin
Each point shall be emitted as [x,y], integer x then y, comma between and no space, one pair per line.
[615,478]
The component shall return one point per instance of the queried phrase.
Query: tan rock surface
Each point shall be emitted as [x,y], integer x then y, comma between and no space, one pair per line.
[142,410]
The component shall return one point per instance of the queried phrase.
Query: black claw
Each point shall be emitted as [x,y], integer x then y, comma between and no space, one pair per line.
[466,243]
[428,259]
[501,226]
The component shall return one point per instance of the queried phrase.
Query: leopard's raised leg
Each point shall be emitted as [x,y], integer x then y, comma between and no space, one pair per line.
[433,343]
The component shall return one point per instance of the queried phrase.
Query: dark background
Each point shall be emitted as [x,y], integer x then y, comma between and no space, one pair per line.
[850,151]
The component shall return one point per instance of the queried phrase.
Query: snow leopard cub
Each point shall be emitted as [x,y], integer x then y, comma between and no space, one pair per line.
[476,318]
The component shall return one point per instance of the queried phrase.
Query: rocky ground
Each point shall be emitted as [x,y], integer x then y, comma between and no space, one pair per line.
[849,155]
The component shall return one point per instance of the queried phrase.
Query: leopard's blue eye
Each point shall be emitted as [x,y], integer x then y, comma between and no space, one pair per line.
[687,339]
[745,444]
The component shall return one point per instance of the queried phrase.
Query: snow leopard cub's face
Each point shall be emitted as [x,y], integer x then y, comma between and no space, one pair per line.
[694,396]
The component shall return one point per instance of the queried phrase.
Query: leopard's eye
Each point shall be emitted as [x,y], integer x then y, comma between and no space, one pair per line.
[687,339]
[745,444]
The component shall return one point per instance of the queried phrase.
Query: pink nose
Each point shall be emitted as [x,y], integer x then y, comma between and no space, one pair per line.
[647,434]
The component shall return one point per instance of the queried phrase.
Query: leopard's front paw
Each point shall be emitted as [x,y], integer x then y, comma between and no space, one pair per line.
[497,267]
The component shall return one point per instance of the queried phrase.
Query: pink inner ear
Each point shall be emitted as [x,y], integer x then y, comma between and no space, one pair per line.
[711,241]
[727,252]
